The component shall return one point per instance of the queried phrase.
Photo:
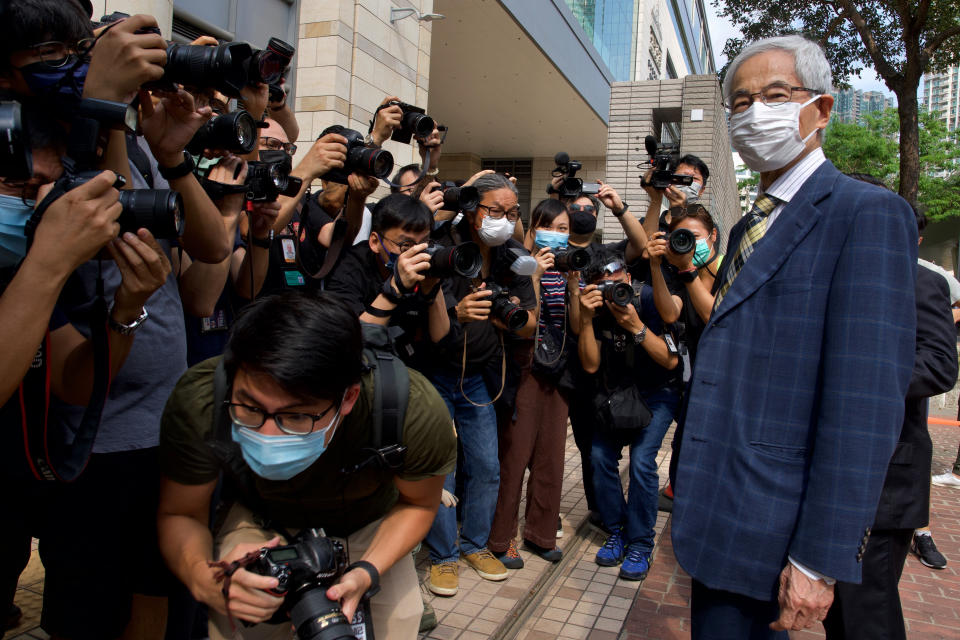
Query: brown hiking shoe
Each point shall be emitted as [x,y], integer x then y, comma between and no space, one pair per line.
[486,565]
[444,578]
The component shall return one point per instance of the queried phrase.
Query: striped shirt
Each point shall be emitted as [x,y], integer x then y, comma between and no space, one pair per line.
[553,288]
[786,186]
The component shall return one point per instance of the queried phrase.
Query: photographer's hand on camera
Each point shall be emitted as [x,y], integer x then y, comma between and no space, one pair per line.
[410,267]
[349,590]
[248,598]
[545,259]
[230,170]
[474,307]
[386,120]
[122,60]
[170,123]
[432,198]
[434,144]
[255,99]
[627,316]
[144,267]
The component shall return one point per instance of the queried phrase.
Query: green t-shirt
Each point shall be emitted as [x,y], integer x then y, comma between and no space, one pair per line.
[322,495]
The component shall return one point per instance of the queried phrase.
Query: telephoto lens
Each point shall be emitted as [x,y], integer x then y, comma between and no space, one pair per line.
[224,67]
[507,312]
[235,132]
[682,241]
[267,65]
[369,160]
[571,260]
[460,198]
[462,260]
[316,617]
[619,293]
[16,161]
[160,211]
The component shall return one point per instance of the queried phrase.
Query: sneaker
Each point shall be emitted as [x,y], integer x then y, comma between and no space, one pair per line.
[511,557]
[428,621]
[946,480]
[486,565]
[550,555]
[635,564]
[611,553]
[927,551]
[444,578]
[559,527]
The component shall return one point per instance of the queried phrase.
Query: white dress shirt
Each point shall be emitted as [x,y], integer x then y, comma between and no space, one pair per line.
[786,186]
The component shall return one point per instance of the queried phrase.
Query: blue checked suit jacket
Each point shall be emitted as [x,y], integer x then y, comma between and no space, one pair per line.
[797,397]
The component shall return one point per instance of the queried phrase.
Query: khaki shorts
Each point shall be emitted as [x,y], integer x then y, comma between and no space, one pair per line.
[395,610]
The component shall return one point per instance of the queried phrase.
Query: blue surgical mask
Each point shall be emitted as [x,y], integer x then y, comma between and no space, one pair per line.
[65,81]
[281,457]
[553,239]
[701,254]
[13,219]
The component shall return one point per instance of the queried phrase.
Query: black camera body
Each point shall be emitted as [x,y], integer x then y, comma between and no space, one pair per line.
[682,241]
[504,310]
[304,571]
[619,293]
[571,260]
[236,132]
[662,157]
[458,198]
[571,187]
[269,178]
[368,161]
[463,260]
[16,159]
[414,122]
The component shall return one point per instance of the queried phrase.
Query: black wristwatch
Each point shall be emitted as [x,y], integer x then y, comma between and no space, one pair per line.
[623,209]
[184,168]
[263,243]
[373,573]
[688,276]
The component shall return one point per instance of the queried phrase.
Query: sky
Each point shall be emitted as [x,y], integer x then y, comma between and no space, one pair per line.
[721,29]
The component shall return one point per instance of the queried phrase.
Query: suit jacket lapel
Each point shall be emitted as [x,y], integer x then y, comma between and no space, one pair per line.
[791,226]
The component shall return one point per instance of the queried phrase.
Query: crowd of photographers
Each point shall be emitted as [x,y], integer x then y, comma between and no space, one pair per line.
[151,219]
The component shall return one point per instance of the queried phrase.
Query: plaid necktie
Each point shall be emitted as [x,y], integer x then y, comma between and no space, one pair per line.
[756,227]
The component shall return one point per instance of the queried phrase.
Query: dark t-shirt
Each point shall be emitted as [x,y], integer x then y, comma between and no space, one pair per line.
[322,495]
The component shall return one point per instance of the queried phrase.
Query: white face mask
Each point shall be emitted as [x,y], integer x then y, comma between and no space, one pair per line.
[494,233]
[768,138]
[692,191]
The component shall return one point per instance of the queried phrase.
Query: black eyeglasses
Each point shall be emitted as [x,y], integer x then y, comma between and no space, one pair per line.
[589,208]
[772,95]
[275,144]
[403,246]
[290,422]
[496,213]
[55,54]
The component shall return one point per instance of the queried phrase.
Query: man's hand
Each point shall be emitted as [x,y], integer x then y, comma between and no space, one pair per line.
[248,598]
[544,259]
[676,198]
[329,152]
[144,268]
[77,224]
[609,197]
[262,218]
[435,147]
[170,124]
[656,195]
[659,248]
[411,264]
[803,601]
[433,199]
[255,99]
[349,590]
[475,307]
[591,299]
[477,175]
[362,186]
[123,60]
[626,317]
[386,120]
[231,170]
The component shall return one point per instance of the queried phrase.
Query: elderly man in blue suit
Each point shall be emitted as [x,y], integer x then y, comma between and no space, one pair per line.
[797,397]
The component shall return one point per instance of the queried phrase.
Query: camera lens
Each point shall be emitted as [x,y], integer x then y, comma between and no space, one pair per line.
[682,241]
[316,617]
[618,293]
[16,161]
[419,124]
[464,260]
[571,187]
[234,132]
[160,211]
[461,199]
[571,260]
[372,162]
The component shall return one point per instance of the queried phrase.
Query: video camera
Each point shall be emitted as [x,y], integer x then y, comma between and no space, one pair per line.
[369,161]
[236,132]
[463,260]
[458,198]
[571,187]
[269,178]
[16,159]
[304,571]
[662,157]
[504,310]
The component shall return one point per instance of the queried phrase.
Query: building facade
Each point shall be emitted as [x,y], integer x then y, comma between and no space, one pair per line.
[941,95]
[853,105]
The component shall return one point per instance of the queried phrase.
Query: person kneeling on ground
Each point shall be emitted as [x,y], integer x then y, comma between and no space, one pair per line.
[287,417]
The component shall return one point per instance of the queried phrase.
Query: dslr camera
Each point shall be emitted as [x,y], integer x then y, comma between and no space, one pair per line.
[571,260]
[413,123]
[16,160]
[463,260]
[269,178]
[305,570]
[236,132]
[507,312]
[682,241]
[662,157]
[458,198]
[619,293]
[368,161]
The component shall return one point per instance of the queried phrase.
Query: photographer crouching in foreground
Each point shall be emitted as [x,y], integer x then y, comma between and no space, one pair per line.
[289,417]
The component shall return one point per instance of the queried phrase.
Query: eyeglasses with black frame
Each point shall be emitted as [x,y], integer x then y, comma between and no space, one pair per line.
[292,423]
[496,213]
[772,95]
[589,208]
[55,54]
[276,144]
[403,246]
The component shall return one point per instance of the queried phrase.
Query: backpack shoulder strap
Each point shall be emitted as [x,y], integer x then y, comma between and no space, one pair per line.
[391,385]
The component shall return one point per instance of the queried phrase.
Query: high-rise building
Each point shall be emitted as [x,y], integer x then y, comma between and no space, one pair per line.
[853,105]
[941,95]
[609,26]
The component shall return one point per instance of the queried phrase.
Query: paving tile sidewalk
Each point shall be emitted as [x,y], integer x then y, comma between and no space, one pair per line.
[931,598]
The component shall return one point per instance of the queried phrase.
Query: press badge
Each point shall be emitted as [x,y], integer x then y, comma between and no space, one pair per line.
[671,345]
[294,278]
[289,250]
[216,322]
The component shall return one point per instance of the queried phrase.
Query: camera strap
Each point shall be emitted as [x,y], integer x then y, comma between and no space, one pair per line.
[503,371]
[332,255]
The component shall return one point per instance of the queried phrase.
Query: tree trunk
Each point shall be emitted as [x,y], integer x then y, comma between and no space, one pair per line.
[909,143]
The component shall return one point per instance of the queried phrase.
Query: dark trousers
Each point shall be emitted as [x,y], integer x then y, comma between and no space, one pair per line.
[721,615]
[872,609]
[582,415]
[532,437]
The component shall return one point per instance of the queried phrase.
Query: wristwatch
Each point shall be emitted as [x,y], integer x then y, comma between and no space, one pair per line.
[368,140]
[640,336]
[127,329]
[182,169]
[263,243]
[688,275]
[623,209]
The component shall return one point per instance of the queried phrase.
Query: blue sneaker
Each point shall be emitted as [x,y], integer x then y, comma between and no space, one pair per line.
[611,553]
[635,565]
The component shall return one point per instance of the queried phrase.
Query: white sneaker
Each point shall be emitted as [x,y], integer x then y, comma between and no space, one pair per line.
[946,480]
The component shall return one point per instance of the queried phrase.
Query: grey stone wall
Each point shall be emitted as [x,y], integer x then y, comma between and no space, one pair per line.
[638,109]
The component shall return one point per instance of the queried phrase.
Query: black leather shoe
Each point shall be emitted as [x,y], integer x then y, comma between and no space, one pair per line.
[550,555]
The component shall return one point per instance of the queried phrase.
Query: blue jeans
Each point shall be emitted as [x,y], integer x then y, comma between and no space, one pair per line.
[477,432]
[638,514]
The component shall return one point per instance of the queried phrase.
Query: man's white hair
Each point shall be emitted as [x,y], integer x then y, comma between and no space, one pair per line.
[809,62]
